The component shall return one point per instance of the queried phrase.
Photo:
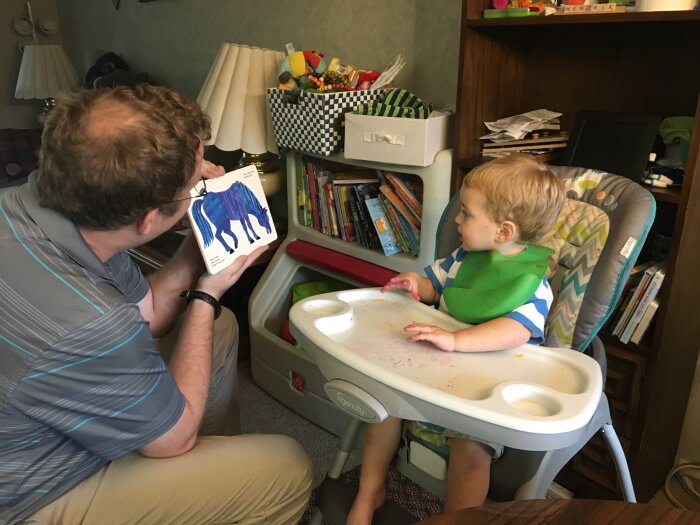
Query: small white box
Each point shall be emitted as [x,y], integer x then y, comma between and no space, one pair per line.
[394,140]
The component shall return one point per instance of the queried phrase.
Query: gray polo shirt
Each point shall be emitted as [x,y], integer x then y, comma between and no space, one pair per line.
[81,382]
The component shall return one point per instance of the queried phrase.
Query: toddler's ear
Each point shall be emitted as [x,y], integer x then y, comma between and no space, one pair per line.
[507,232]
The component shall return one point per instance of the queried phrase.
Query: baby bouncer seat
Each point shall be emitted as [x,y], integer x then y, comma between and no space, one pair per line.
[597,239]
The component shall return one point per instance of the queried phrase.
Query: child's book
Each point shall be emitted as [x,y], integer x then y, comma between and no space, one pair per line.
[381,225]
[644,322]
[230,217]
[649,295]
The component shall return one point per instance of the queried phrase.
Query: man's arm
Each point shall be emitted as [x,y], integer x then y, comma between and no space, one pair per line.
[162,304]
[190,363]
[190,366]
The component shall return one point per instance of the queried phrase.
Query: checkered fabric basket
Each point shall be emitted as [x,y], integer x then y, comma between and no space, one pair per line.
[312,122]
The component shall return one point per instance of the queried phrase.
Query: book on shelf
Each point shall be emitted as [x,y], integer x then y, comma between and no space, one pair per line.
[632,281]
[649,294]
[644,322]
[396,226]
[231,218]
[544,146]
[400,206]
[634,297]
[364,192]
[405,193]
[381,225]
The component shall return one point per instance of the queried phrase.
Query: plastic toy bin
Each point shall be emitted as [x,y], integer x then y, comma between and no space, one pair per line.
[281,369]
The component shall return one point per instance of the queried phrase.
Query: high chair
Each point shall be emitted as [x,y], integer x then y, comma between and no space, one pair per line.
[597,240]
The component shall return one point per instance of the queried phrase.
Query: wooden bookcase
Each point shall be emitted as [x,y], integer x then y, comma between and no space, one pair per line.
[643,63]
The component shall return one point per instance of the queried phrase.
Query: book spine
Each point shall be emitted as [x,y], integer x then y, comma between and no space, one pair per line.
[644,322]
[313,195]
[332,216]
[631,304]
[649,294]
[357,217]
[405,193]
[398,204]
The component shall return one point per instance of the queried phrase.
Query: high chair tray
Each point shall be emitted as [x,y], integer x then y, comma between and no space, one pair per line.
[530,397]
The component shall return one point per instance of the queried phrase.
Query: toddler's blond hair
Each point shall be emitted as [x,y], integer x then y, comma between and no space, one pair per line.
[521,189]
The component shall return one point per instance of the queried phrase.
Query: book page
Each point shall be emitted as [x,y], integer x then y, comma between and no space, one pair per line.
[232,218]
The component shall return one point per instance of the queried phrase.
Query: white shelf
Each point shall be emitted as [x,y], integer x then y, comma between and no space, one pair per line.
[436,195]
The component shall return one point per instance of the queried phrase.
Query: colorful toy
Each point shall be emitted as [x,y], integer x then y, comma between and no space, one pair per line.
[295,68]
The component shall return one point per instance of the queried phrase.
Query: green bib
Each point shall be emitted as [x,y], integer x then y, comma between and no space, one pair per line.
[489,285]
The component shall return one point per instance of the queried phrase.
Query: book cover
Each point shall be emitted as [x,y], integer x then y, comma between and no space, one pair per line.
[650,294]
[400,235]
[644,322]
[230,217]
[387,239]
[364,192]
[359,228]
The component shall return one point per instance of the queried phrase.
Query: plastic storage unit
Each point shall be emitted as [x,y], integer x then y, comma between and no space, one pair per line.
[283,370]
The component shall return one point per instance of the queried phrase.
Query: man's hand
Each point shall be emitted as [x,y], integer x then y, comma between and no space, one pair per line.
[211,170]
[216,285]
[408,281]
[435,335]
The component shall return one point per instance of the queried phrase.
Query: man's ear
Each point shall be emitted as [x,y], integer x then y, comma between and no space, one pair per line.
[507,232]
[145,224]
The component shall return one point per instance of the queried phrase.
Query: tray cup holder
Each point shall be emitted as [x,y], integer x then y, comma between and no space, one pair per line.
[332,316]
[532,400]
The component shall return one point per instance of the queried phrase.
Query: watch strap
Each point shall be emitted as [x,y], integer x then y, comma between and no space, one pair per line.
[189,295]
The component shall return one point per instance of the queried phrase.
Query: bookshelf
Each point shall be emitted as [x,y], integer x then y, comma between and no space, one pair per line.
[436,195]
[626,62]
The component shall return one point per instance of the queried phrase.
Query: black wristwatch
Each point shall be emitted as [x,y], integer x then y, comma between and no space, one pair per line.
[203,296]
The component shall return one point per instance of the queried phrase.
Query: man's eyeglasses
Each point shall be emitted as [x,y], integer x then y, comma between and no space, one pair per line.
[201,192]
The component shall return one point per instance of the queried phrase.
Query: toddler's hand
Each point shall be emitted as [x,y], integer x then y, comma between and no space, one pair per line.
[435,335]
[403,281]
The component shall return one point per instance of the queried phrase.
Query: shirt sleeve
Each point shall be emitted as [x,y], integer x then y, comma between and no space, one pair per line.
[442,272]
[104,386]
[533,314]
[128,276]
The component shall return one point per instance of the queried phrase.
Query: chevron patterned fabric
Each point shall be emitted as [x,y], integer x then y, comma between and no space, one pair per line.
[577,239]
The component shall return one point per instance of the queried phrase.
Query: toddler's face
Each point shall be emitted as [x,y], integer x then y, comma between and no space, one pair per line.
[477,230]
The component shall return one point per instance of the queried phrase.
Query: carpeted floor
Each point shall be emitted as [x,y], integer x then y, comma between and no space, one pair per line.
[260,413]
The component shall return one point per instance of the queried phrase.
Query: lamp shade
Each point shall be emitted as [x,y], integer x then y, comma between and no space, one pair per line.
[234,97]
[45,72]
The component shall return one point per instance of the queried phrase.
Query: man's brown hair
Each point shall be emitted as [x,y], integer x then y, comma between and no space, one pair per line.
[108,156]
[521,189]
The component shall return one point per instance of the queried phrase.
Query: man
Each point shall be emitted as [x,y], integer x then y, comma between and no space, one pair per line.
[94,426]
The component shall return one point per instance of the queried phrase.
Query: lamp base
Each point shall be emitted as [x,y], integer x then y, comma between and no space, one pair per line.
[49,104]
[269,169]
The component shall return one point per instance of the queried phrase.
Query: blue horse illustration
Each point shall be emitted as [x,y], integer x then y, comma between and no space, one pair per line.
[221,207]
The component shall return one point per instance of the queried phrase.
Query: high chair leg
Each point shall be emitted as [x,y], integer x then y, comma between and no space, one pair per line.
[623,471]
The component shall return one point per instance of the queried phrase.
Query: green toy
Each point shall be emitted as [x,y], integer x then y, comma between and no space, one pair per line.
[489,285]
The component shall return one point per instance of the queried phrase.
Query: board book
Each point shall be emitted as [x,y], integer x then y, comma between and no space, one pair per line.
[230,217]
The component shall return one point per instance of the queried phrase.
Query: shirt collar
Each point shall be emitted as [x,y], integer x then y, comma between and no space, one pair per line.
[61,231]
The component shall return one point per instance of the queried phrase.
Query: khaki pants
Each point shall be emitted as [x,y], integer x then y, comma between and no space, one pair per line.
[239,479]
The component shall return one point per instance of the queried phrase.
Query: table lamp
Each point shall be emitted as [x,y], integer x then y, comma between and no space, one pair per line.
[45,73]
[234,97]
